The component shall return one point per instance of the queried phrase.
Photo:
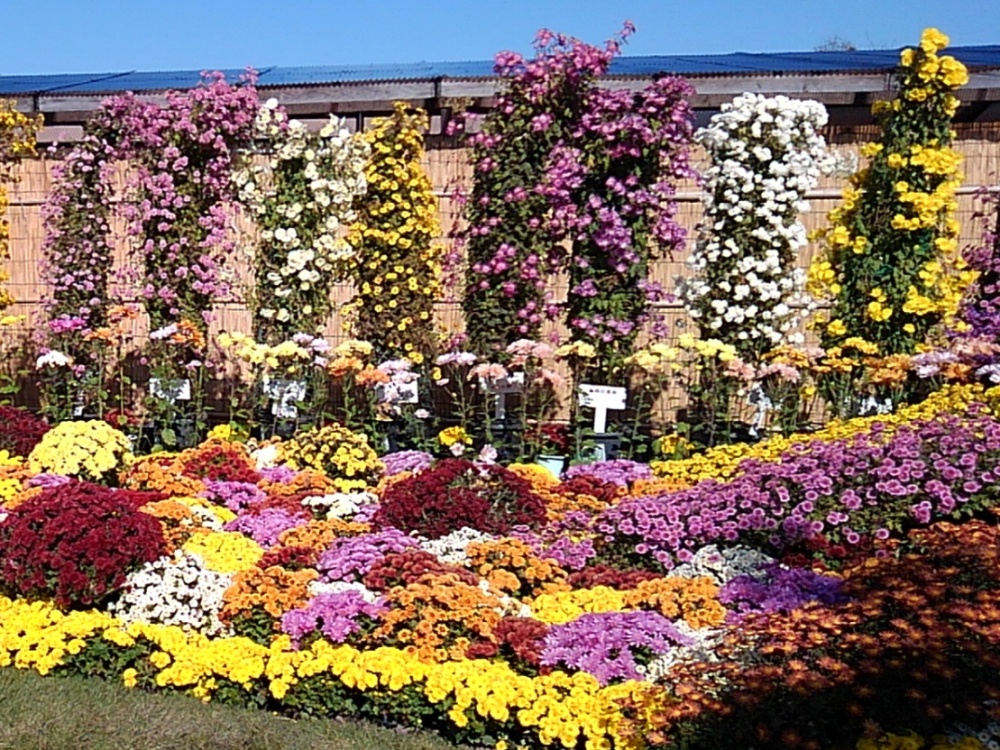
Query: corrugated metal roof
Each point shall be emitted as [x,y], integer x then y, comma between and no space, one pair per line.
[736,63]
[741,63]
[135,81]
[60,82]
[304,76]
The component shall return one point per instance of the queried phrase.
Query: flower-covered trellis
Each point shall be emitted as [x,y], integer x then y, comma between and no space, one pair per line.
[576,178]
[766,155]
[301,191]
[184,153]
[890,265]
[397,277]
[176,206]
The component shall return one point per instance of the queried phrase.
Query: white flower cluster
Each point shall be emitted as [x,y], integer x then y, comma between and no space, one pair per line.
[176,590]
[402,387]
[338,587]
[302,189]
[52,358]
[722,566]
[766,155]
[265,457]
[339,504]
[451,547]
[702,650]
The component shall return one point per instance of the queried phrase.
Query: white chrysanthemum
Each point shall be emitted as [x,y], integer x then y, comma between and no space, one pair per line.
[338,587]
[52,358]
[451,547]
[766,154]
[722,565]
[300,227]
[177,590]
[340,504]
[702,650]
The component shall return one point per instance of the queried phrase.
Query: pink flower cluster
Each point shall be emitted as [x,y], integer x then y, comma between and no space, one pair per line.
[185,152]
[564,159]
[77,256]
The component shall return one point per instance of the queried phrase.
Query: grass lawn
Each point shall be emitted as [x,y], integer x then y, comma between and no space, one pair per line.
[49,713]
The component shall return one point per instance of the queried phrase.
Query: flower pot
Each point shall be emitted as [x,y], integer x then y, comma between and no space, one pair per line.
[554,464]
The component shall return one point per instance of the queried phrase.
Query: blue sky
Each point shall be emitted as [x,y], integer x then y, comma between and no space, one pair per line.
[63,36]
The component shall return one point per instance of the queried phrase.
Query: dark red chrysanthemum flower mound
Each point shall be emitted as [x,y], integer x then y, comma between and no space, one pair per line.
[219,462]
[20,430]
[75,543]
[456,493]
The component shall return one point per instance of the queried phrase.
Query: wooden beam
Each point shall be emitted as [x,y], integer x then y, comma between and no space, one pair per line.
[60,134]
[834,90]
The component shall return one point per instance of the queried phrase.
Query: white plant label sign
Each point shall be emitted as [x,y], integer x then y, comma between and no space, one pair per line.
[399,393]
[602,398]
[170,390]
[285,394]
[513,383]
[871,405]
[757,397]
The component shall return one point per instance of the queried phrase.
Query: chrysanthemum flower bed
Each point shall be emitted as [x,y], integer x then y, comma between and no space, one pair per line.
[821,591]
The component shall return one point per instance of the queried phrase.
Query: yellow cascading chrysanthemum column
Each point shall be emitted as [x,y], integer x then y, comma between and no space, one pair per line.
[889,264]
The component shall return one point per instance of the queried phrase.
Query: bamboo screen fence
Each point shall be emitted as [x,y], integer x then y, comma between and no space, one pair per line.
[448,166]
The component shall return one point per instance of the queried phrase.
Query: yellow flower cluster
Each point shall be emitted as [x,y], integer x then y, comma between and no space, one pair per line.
[821,282]
[657,359]
[707,348]
[722,462]
[344,456]
[939,72]
[560,607]
[209,511]
[224,551]
[13,478]
[877,309]
[450,436]
[92,450]
[398,271]
[556,707]
[17,140]
[36,635]
[190,660]
[576,349]
[693,600]
[287,357]
[899,213]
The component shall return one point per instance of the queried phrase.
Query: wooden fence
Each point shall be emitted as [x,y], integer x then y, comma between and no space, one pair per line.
[448,166]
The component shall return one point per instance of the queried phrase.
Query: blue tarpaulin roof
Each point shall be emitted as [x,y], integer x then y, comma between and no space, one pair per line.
[736,63]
